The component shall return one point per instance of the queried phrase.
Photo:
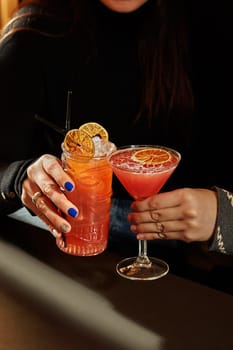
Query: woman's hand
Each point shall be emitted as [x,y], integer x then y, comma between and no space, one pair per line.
[184,214]
[43,192]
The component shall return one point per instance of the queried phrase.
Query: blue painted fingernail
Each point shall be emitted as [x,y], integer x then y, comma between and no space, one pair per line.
[68,186]
[72,212]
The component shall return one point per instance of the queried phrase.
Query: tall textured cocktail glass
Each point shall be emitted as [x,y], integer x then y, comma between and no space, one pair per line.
[143,170]
[84,158]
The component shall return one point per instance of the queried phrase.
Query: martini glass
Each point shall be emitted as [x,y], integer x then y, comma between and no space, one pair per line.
[143,170]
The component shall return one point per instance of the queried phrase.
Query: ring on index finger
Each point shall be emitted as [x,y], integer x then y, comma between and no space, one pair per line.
[35,196]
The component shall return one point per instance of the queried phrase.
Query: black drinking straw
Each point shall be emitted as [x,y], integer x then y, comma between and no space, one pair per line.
[68,111]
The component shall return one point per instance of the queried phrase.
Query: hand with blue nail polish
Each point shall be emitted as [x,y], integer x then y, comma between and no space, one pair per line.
[47,177]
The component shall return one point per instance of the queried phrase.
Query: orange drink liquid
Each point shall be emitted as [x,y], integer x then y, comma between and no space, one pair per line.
[92,196]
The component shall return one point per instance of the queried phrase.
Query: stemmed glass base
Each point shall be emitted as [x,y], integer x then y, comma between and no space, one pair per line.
[135,268]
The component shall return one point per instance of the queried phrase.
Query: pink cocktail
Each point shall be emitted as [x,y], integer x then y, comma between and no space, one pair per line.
[140,179]
[143,170]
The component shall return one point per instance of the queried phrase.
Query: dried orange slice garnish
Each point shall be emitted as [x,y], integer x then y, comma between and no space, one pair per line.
[77,140]
[94,129]
[154,156]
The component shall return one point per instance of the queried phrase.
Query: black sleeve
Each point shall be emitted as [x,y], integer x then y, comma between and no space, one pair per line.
[223,235]
[11,179]
[21,94]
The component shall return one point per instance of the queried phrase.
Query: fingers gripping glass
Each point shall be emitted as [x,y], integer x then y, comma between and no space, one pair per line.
[143,170]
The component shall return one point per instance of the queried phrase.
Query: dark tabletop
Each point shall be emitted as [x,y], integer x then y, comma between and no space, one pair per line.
[51,300]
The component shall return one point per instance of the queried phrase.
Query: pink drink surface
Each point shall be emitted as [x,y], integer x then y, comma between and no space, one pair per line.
[141,180]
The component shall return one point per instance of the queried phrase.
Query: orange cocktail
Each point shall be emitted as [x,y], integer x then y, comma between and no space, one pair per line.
[92,176]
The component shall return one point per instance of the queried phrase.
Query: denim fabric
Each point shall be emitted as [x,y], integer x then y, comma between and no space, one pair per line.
[119,211]
[24,215]
[121,239]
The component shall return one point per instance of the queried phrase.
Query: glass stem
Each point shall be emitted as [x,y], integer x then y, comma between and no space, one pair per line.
[142,253]
[142,248]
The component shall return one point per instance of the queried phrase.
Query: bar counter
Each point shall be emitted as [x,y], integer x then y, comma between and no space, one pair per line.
[51,300]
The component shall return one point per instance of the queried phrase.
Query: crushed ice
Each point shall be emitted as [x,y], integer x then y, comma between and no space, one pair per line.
[103,148]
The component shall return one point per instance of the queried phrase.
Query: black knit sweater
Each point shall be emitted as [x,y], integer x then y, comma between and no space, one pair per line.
[38,67]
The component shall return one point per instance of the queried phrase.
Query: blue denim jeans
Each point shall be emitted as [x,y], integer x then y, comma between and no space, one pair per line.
[121,239]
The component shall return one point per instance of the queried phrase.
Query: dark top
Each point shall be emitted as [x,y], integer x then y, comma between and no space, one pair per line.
[39,67]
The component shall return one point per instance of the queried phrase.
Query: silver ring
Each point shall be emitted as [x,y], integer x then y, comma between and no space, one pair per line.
[35,196]
[162,235]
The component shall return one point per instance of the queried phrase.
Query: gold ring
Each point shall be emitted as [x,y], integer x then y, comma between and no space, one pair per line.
[35,196]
